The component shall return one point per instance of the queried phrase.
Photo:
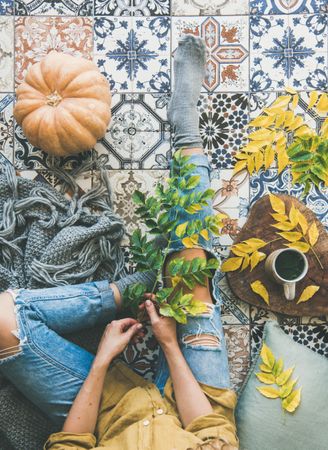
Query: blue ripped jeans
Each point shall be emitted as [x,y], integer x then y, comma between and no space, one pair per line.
[49,370]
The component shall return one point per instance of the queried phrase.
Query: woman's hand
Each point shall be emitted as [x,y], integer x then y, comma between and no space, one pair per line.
[164,328]
[116,337]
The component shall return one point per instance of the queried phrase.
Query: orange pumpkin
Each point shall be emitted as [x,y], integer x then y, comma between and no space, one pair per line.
[64,104]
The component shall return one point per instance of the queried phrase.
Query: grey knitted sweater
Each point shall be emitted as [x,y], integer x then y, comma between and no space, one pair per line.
[47,240]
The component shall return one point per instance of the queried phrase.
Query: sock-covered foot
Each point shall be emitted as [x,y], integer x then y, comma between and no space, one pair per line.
[189,72]
[148,278]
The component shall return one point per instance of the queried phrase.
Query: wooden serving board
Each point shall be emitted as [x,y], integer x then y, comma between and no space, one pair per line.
[259,225]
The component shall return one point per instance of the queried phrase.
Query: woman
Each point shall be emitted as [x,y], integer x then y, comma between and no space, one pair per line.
[100,403]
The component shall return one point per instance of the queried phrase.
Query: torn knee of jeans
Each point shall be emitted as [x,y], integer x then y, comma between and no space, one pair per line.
[201,340]
[14,350]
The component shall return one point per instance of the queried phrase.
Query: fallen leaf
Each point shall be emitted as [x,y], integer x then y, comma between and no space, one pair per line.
[267,356]
[269,392]
[265,368]
[291,236]
[287,388]
[278,367]
[308,293]
[293,215]
[313,234]
[284,226]
[261,290]
[303,222]
[266,378]
[277,204]
[284,376]
[291,402]
[256,258]
[231,264]
[181,229]
[301,246]
[281,102]
[314,95]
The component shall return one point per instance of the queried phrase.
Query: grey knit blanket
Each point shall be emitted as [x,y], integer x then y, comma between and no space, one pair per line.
[47,239]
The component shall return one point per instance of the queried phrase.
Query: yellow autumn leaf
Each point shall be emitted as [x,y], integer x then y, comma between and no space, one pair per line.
[278,367]
[313,234]
[269,392]
[298,121]
[189,242]
[302,131]
[290,90]
[303,222]
[244,247]
[259,158]
[231,264]
[280,119]
[284,376]
[291,402]
[267,356]
[261,290]
[277,204]
[241,156]
[175,280]
[301,246]
[237,252]
[308,293]
[262,134]
[255,243]
[268,156]
[281,102]
[252,147]
[314,95]
[245,263]
[261,121]
[256,258]
[322,105]
[289,119]
[240,165]
[204,234]
[287,388]
[293,215]
[291,236]
[283,159]
[284,226]
[265,368]
[280,217]
[250,164]
[294,101]
[324,129]
[181,229]
[266,378]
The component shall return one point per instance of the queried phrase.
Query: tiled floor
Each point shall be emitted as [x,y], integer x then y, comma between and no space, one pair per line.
[255,48]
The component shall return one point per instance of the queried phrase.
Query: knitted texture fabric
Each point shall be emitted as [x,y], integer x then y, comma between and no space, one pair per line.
[48,240]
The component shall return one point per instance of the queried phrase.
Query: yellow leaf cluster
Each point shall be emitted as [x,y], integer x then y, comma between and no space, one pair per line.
[247,254]
[273,373]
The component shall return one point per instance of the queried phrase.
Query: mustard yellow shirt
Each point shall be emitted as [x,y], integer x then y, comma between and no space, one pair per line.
[134,416]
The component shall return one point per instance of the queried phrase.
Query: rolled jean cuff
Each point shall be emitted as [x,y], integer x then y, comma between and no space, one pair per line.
[107,299]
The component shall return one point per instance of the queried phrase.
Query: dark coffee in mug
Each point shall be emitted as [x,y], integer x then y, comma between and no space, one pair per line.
[289,265]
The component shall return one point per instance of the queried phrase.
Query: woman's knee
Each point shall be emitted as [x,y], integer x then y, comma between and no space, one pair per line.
[9,342]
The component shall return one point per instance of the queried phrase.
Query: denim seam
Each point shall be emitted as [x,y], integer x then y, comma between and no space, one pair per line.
[35,348]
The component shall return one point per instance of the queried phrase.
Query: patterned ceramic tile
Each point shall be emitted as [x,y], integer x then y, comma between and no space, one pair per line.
[234,310]
[138,136]
[227,44]
[53,7]
[6,126]
[134,53]
[209,7]
[124,183]
[287,6]
[231,191]
[314,337]
[270,181]
[132,7]
[6,7]
[288,50]
[6,53]
[232,224]
[36,36]
[222,126]
[237,340]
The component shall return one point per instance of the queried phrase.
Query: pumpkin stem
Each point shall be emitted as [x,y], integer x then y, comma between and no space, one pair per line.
[54,99]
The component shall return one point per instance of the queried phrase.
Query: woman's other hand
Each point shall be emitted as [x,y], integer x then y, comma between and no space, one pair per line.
[116,337]
[164,328]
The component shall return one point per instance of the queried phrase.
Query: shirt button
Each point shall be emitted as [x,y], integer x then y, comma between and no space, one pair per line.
[146,422]
[160,411]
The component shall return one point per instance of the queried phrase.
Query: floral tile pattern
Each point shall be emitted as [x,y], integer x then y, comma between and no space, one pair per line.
[287,7]
[134,53]
[209,7]
[53,7]
[6,126]
[132,7]
[37,36]
[6,7]
[237,340]
[227,45]
[6,53]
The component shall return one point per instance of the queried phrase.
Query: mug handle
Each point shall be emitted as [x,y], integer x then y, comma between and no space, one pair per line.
[289,290]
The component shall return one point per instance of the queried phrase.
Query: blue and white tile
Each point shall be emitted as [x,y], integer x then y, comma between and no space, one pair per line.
[287,7]
[54,7]
[6,54]
[270,181]
[209,7]
[134,53]
[7,126]
[237,341]
[234,310]
[226,41]
[139,134]
[132,8]
[6,7]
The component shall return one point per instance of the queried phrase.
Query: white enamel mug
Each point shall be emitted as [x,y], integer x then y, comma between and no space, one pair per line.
[288,285]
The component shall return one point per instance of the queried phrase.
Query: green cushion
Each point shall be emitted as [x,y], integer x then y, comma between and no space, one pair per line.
[262,424]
